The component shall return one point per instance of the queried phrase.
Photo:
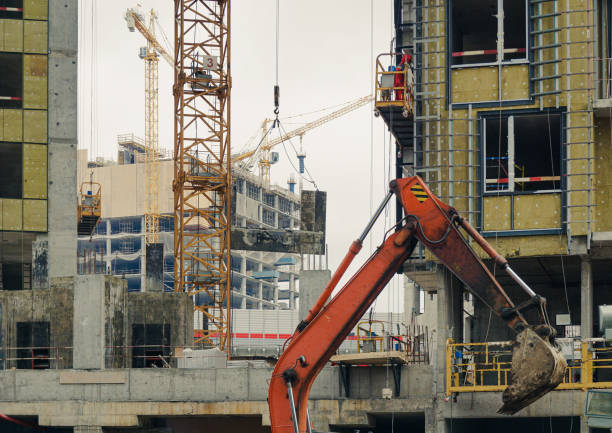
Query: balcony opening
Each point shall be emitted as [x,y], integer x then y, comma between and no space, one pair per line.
[476,24]
[522,152]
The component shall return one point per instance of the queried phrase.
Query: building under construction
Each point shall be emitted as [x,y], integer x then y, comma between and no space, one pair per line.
[503,108]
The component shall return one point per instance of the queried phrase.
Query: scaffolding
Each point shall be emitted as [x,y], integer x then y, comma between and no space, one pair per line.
[202,176]
[445,149]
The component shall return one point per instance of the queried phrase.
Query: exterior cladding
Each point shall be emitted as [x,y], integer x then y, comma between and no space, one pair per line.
[27,125]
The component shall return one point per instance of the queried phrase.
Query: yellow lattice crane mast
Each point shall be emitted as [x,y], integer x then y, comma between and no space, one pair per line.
[202,175]
[263,150]
[150,54]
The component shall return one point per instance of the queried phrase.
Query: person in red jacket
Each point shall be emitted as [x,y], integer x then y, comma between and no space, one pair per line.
[399,80]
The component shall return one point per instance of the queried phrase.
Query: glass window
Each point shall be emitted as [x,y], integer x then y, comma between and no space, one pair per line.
[475,28]
[522,152]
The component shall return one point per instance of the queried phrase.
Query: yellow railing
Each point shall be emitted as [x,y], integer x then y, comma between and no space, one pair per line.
[372,338]
[475,367]
[394,87]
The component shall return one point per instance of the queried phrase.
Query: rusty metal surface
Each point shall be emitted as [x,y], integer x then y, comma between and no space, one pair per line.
[537,367]
[202,172]
[280,241]
[438,233]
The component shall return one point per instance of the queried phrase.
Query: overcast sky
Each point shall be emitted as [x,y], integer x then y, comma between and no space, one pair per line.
[325,60]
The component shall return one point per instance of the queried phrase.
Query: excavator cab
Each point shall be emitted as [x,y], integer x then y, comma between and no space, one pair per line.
[89,207]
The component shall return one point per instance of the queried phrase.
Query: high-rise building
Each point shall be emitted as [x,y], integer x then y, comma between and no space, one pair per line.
[38,136]
[260,280]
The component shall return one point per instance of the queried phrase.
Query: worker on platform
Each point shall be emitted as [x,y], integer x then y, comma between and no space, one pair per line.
[399,81]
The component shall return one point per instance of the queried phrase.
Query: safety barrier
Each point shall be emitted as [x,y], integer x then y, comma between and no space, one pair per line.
[476,367]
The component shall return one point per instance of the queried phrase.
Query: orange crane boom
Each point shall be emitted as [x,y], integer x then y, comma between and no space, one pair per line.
[436,226]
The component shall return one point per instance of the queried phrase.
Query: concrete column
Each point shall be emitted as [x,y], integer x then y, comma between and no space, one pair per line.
[586,297]
[62,137]
[88,325]
[275,291]
[312,284]
[291,291]
[259,288]
[109,256]
[243,280]
[449,322]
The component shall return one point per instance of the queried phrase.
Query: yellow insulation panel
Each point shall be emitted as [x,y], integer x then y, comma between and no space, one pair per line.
[35,9]
[35,37]
[34,81]
[34,171]
[496,213]
[35,126]
[35,215]
[474,84]
[11,35]
[537,211]
[515,82]
[521,246]
[603,176]
[11,214]
[11,125]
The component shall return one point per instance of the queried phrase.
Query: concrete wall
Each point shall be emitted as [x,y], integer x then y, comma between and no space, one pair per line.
[172,308]
[312,284]
[62,137]
[54,306]
[119,397]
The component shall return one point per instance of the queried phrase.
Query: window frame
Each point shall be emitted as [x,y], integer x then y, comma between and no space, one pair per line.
[506,114]
[450,50]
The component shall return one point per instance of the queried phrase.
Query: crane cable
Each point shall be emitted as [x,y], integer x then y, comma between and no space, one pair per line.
[276,86]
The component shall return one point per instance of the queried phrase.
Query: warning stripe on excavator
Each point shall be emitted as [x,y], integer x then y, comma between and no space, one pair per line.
[419,193]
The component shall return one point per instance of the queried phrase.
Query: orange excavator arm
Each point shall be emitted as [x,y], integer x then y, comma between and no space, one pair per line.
[436,226]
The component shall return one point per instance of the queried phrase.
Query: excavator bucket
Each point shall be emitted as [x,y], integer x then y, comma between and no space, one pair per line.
[537,367]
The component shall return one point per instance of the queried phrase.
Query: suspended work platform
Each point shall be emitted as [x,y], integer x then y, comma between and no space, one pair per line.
[395,95]
[89,208]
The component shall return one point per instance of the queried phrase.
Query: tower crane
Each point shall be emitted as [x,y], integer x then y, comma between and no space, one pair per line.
[202,170]
[150,54]
[264,149]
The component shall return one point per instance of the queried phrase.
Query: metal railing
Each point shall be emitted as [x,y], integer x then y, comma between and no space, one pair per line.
[475,367]
[394,86]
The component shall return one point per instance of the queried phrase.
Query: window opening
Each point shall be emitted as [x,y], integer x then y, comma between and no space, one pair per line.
[11,80]
[252,191]
[11,169]
[267,217]
[522,152]
[11,9]
[33,345]
[475,29]
[151,345]
[269,199]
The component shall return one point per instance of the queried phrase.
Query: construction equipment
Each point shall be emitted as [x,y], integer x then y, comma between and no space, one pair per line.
[150,55]
[537,366]
[89,208]
[202,170]
[264,149]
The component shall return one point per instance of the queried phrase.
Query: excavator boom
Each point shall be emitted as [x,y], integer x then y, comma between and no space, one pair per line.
[436,226]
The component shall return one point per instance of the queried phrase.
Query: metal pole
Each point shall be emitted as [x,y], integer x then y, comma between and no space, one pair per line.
[520,282]
[308,426]
[375,216]
[292,404]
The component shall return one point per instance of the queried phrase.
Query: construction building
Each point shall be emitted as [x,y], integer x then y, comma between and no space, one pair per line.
[503,108]
[260,280]
[506,116]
